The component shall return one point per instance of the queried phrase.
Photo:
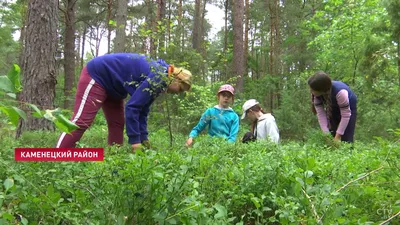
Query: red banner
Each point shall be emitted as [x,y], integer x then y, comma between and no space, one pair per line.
[59,154]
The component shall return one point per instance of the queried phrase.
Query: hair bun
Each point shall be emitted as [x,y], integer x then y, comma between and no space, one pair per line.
[171,69]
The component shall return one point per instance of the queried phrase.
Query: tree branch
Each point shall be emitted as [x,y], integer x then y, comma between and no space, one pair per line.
[362,177]
[392,217]
[62,10]
[312,206]
[73,4]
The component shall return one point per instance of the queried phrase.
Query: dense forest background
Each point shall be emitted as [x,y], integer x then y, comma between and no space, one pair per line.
[266,49]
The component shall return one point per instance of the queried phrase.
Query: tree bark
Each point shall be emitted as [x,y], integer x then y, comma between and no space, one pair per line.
[69,52]
[83,43]
[160,17]
[246,35]
[78,47]
[238,60]
[196,26]
[151,25]
[38,68]
[226,41]
[398,58]
[202,46]
[169,22]
[109,26]
[120,34]
[180,28]
[271,37]
[24,16]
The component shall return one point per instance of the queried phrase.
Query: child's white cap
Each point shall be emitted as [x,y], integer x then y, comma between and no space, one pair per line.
[247,105]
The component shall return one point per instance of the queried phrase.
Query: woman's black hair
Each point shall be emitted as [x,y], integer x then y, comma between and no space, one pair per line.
[322,83]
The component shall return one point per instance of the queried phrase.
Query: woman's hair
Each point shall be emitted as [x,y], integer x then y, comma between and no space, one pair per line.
[322,83]
[181,74]
[255,108]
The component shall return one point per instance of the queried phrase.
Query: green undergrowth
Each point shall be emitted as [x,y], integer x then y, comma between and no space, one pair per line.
[212,183]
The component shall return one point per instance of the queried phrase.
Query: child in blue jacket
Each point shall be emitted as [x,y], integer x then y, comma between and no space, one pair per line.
[221,120]
[107,80]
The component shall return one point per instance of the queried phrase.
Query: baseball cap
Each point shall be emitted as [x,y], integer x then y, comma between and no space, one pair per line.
[247,105]
[228,88]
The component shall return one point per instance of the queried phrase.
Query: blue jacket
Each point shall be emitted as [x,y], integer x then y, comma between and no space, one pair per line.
[221,123]
[139,76]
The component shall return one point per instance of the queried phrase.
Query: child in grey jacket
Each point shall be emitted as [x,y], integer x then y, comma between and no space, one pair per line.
[263,124]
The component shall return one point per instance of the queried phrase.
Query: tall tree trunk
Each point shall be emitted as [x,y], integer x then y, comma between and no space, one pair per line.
[151,25]
[271,37]
[161,17]
[277,47]
[169,22]
[69,52]
[131,46]
[24,16]
[254,74]
[302,61]
[238,60]
[120,34]
[246,35]
[226,41]
[83,43]
[99,34]
[398,58]
[78,38]
[196,26]
[274,46]
[179,28]
[202,20]
[202,35]
[109,25]
[39,62]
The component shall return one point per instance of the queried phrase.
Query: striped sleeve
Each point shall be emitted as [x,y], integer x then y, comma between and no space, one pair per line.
[345,112]
[321,114]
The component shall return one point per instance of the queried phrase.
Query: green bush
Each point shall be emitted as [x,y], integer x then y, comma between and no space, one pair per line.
[212,183]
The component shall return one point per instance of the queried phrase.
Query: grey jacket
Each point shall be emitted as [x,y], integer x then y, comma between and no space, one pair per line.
[267,128]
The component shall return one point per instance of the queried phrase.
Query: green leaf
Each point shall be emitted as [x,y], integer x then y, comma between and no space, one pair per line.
[6,85]
[49,115]
[12,114]
[12,95]
[158,174]
[65,124]
[121,219]
[37,113]
[222,212]
[86,211]
[20,112]
[171,221]
[256,202]
[14,76]
[8,216]
[310,163]
[112,22]
[24,221]
[298,179]
[308,173]
[8,183]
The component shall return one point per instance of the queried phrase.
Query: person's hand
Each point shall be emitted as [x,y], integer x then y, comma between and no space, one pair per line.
[338,137]
[136,146]
[189,142]
[146,143]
